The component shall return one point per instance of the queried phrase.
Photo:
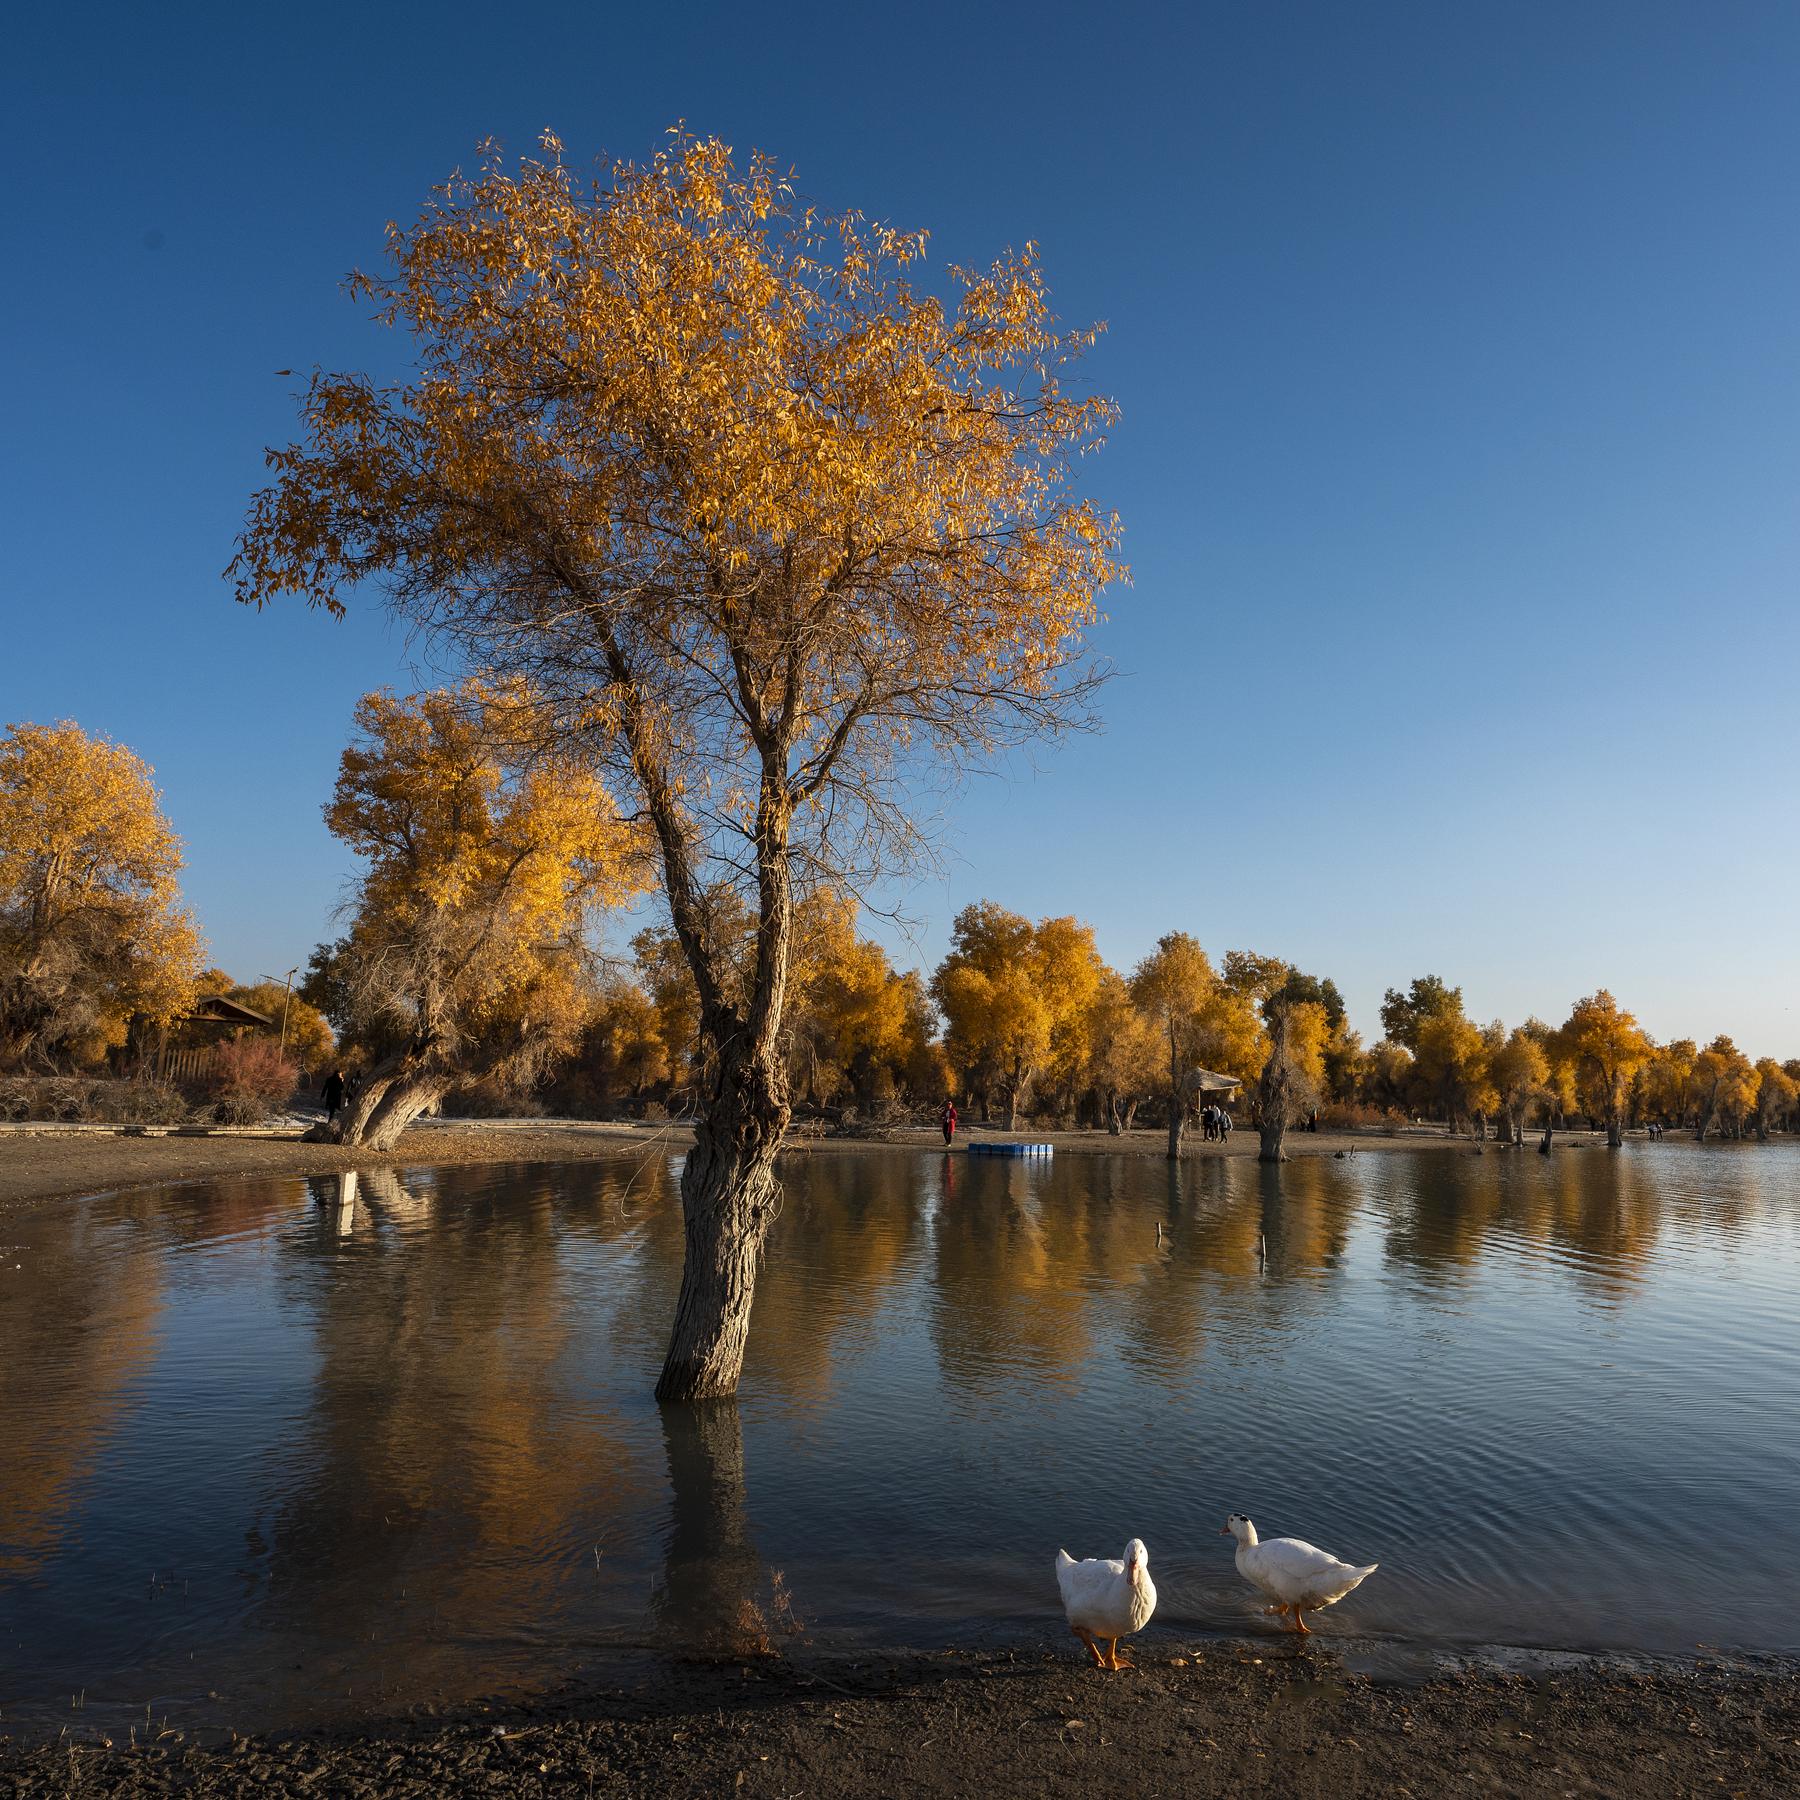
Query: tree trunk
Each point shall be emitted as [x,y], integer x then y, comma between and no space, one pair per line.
[1177,1099]
[1021,1081]
[1131,1107]
[1114,1124]
[1549,1127]
[1615,1135]
[396,1091]
[393,1109]
[729,1198]
[1273,1128]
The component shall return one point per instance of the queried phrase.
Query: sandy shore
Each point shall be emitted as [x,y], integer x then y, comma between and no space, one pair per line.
[46,1163]
[1216,1719]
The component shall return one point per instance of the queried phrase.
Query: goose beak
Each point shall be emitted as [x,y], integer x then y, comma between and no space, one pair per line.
[1224,1531]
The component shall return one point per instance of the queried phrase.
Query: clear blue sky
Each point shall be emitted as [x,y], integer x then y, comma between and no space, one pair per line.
[1459,353]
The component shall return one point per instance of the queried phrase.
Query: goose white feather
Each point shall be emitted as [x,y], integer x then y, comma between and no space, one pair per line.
[1107,1598]
[1299,1577]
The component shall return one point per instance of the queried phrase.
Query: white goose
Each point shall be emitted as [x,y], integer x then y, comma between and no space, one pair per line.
[1298,1576]
[1107,1598]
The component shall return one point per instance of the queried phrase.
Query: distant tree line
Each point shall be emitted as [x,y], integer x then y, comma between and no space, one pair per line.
[468,975]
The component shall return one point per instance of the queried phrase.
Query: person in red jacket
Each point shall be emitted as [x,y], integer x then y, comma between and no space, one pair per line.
[949,1122]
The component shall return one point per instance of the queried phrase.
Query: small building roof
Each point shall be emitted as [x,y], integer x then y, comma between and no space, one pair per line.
[1204,1081]
[227,1012]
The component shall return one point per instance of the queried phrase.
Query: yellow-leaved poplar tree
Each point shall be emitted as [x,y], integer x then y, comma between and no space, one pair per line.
[467,957]
[1124,1052]
[623,1050]
[857,1021]
[1605,1048]
[1520,1074]
[1293,1070]
[1775,1096]
[1174,987]
[1724,1087]
[92,930]
[1012,995]
[1450,1064]
[1666,1081]
[772,528]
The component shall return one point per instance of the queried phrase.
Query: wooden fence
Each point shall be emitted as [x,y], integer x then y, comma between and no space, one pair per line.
[185,1065]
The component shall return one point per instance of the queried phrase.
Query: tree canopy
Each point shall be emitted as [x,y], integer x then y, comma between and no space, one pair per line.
[466,957]
[1403,1014]
[92,929]
[767,527]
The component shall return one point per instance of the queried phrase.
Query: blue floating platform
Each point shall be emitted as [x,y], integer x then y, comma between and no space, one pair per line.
[1011,1149]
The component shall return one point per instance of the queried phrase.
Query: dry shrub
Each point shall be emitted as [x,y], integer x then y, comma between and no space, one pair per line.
[492,1100]
[781,1607]
[250,1078]
[1347,1115]
[79,1099]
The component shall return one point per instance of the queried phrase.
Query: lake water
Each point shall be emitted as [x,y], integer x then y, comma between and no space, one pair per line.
[265,1459]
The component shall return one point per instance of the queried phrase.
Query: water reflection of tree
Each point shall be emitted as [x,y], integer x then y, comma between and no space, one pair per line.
[78,1329]
[848,1224]
[1006,1286]
[1036,1268]
[1599,1216]
[451,1452]
[711,1599]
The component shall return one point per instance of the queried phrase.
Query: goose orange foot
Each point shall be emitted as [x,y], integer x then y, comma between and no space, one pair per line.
[1093,1648]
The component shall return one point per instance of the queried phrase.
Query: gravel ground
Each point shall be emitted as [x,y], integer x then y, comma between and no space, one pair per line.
[1220,1719]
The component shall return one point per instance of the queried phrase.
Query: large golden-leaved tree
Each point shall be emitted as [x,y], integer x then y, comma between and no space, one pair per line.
[1776,1094]
[92,930]
[772,529]
[1519,1072]
[1013,995]
[467,958]
[1724,1086]
[1605,1047]
[1293,1072]
[1173,987]
[859,1023]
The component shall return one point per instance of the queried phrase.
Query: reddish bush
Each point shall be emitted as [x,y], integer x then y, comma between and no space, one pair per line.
[1347,1116]
[250,1077]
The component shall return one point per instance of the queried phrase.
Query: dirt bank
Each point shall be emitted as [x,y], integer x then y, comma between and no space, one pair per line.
[1218,1719]
[47,1163]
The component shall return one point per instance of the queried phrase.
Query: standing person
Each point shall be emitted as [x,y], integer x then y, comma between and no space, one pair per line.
[331,1094]
[1224,1125]
[948,1121]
